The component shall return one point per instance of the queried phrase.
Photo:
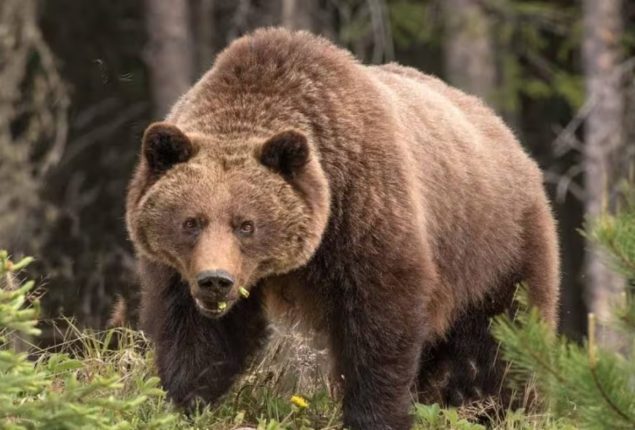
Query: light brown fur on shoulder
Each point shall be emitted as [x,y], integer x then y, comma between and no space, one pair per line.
[375,203]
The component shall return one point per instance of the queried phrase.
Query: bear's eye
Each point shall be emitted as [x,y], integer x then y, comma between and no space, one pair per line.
[191,225]
[246,228]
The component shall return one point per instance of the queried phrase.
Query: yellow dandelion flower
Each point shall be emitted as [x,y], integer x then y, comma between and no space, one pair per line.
[299,401]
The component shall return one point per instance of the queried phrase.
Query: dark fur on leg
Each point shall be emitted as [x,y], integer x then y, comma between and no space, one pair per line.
[376,346]
[466,366]
[199,358]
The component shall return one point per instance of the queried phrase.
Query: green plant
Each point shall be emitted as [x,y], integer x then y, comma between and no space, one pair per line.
[55,390]
[433,417]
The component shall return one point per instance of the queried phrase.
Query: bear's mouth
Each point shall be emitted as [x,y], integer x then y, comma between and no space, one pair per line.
[212,309]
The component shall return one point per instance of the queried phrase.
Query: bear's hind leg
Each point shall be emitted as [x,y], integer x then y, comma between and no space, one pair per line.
[541,268]
[464,367]
[466,364]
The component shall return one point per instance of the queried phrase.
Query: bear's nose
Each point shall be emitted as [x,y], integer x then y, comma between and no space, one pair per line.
[218,280]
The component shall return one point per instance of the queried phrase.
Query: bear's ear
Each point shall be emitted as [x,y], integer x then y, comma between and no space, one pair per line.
[164,145]
[286,153]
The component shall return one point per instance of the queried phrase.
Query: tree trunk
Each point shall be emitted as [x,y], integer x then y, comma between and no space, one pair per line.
[469,58]
[170,54]
[308,15]
[296,16]
[204,34]
[33,131]
[33,127]
[603,142]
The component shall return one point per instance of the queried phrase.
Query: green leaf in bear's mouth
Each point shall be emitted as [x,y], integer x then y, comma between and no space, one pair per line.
[243,292]
[222,306]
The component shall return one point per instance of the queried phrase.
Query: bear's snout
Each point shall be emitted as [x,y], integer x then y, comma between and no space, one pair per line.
[212,292]
[215,282]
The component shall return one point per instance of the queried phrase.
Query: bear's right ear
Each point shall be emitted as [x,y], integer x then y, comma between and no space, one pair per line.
[164,145]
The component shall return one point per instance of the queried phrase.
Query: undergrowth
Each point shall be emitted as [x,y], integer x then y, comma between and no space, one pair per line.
[106,379]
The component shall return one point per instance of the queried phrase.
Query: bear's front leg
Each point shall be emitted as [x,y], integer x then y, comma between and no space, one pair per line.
[376,340]
[198,358]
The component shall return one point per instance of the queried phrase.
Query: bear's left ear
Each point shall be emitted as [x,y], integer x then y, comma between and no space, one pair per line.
[164,145]
[286,152]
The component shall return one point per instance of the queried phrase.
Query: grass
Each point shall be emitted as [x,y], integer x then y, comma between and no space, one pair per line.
[265,398]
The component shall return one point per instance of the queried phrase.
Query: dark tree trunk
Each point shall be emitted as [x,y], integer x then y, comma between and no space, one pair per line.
[169,53]
[603,141]
[204,34]
[469,58]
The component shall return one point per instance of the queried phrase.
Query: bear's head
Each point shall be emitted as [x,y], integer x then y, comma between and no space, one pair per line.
[226,213]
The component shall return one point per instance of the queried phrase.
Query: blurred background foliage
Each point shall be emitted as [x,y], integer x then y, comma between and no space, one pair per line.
[81,80]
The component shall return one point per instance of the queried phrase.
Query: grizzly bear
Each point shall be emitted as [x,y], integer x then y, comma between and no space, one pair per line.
[376,205]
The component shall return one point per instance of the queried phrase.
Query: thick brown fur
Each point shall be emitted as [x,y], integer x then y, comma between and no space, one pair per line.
[392,213]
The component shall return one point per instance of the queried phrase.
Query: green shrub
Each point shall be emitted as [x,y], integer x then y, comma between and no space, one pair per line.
[57,391]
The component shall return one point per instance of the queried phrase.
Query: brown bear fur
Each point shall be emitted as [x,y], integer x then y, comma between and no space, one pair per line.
[375,204]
